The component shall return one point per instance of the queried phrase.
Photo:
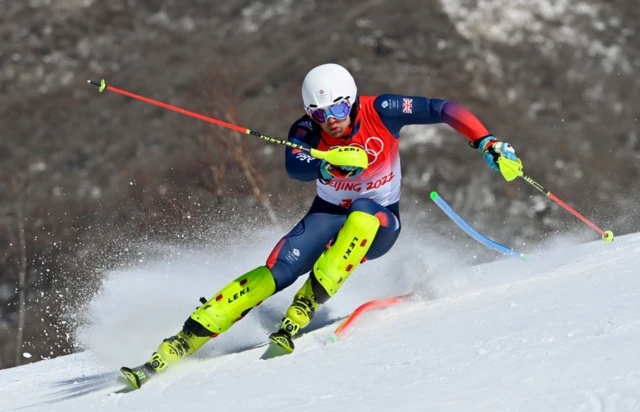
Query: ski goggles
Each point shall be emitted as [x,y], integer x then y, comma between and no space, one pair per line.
[338,110]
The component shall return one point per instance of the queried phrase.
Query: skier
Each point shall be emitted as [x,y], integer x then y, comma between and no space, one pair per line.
[354,217]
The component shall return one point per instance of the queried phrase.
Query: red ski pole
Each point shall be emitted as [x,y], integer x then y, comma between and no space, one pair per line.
[345,156]
[511,169]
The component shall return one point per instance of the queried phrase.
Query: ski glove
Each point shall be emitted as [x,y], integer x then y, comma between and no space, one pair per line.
[491,148]
[329,171]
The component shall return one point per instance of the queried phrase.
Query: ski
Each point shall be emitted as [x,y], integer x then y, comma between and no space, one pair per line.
[274,350]
[280,344]
[136,376]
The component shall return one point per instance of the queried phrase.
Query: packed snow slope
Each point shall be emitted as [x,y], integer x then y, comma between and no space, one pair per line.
[557,332]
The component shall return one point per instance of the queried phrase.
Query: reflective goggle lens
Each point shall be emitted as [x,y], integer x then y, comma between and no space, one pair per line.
[339,110]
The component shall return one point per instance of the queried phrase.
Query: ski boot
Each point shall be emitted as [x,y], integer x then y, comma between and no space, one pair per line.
[298,316]
[170,350]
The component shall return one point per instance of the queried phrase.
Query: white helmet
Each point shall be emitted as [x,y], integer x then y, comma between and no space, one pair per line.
[328,84]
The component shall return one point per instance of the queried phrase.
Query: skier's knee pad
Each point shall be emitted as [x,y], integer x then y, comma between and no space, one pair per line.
[335,265]
[232,303]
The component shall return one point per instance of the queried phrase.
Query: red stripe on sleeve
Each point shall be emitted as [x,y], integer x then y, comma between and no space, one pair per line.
[463,121]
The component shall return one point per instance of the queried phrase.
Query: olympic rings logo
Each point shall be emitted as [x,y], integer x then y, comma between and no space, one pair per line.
[373,147]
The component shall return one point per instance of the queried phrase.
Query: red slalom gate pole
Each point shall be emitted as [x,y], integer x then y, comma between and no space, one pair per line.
[374,304]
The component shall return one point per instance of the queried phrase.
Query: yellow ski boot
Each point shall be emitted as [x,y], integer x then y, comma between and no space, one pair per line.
[298,316]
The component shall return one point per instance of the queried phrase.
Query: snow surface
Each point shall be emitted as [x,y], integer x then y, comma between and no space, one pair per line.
[557,332]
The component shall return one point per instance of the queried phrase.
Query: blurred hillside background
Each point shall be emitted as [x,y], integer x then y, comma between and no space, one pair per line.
[87,177]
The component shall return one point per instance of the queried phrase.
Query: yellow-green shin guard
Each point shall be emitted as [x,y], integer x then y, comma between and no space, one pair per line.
[216,316]
[235,300]
[335,265]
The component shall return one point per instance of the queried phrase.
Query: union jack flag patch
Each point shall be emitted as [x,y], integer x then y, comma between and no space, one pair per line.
[407,105]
